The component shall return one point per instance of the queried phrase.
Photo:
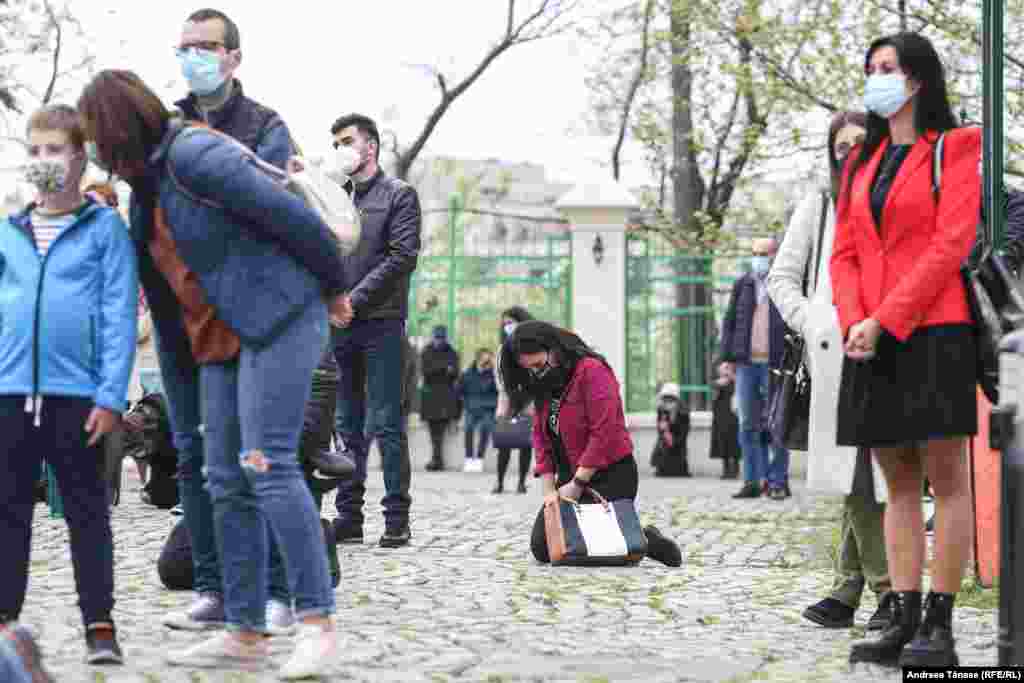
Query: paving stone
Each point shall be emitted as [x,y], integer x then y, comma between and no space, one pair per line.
[467,603]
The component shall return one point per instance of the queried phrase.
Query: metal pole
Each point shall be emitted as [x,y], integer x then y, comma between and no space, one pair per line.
[454,209]
[1009,643]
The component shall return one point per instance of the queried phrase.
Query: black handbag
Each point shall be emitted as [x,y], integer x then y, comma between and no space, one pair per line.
[513,432]
[994,297]
[789,419]
[791,401]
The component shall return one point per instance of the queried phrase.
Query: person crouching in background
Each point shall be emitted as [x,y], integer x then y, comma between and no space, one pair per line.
[669,456]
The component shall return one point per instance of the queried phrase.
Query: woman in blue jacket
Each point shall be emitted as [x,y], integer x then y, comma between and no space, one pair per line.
[68,296]
[236,271]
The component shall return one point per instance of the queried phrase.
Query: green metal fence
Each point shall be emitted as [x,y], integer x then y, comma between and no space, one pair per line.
[674,304]
[481,263]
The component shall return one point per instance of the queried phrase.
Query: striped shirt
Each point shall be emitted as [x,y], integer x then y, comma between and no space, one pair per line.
[46,227]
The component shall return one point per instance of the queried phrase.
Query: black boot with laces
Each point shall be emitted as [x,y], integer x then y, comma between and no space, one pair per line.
[886,649]
[933,644]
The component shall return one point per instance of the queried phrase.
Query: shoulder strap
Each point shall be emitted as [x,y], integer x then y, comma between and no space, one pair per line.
[983,228]
[821,236]
[937,167]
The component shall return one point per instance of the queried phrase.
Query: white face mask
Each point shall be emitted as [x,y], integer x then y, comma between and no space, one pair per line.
[347,160]
[509,329]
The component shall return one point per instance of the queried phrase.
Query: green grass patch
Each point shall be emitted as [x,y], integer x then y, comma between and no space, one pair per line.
[973,594]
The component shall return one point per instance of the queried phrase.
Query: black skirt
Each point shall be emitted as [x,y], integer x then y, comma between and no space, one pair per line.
[913,391]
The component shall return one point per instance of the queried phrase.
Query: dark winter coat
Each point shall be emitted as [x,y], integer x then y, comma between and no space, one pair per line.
[440,368]
[671,460]
[256,126]
[725,426]
[478,390]
[739,321]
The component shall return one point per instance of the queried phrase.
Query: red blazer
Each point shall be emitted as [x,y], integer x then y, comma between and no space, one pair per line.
[906,274]
[591,422]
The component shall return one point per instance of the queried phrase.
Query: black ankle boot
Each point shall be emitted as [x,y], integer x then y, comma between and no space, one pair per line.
[886,649]
[933,644]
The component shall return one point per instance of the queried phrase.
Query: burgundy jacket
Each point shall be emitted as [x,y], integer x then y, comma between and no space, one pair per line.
[591,422]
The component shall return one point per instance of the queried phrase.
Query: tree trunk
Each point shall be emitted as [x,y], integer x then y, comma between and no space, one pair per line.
[687,191]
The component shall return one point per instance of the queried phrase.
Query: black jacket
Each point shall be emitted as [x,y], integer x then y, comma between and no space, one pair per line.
[440,368]
[378,272]
[1014,244]
[739,321]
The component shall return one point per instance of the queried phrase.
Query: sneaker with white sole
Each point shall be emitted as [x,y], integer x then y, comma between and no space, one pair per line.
[314,648]
[467,466]
[223,650]
[280,618]
[205,614]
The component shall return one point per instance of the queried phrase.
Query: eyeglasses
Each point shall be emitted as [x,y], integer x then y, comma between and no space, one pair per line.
[205,45]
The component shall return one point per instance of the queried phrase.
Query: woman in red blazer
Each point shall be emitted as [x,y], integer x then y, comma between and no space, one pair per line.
[579,428]
[909,381]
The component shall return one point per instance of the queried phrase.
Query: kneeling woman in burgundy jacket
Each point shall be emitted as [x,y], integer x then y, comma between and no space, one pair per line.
[579,429]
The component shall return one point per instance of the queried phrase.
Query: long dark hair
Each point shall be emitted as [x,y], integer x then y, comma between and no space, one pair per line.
[932,111]
[532,336]
[839,121]
[517,313]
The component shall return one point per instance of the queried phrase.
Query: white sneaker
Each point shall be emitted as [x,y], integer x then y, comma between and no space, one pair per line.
[280,618]
[313,649]
[204,614]
[222,651]
[467,466]
[479,464]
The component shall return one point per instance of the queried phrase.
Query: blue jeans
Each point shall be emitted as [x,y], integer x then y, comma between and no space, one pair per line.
[484,421]
[369,354]
[12,669]
[253,409]
[79,469]
[180,385]
[753,387]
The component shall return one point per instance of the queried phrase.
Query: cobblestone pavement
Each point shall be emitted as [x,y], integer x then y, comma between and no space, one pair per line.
[465,602]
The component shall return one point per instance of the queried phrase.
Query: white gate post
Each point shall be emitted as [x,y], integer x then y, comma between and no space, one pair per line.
[597,212]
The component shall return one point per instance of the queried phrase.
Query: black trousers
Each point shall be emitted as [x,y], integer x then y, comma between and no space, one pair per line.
[618,481]
[80,473]
[505,454]
[437,429]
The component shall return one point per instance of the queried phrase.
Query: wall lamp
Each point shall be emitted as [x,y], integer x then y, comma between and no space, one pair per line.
[598,250]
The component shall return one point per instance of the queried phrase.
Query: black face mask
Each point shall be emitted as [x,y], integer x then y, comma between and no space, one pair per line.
[548,379]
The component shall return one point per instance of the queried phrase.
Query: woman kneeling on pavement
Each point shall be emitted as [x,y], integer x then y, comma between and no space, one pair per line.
[236,271]
[579,428]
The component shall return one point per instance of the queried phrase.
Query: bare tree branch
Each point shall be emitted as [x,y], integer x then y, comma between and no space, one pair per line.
[55,22]
[638,78]
[515,34]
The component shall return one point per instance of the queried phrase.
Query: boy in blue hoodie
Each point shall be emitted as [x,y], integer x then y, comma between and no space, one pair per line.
[68,298]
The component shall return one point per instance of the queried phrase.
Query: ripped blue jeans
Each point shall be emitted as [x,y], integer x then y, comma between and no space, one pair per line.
[253,410]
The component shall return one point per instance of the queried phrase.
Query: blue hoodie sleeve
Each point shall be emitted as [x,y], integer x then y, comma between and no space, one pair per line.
[219,172]
[118,313]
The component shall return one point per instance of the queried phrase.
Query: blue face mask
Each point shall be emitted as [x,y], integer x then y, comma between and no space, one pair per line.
[201,69]
[885,94]
[760,264]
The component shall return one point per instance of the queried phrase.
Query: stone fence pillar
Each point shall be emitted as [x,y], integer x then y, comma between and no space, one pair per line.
[597,211]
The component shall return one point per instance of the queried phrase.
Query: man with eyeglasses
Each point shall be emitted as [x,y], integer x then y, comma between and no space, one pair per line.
[210,53]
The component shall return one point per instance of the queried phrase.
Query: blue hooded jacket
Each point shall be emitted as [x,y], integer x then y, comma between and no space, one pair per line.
[68,321]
